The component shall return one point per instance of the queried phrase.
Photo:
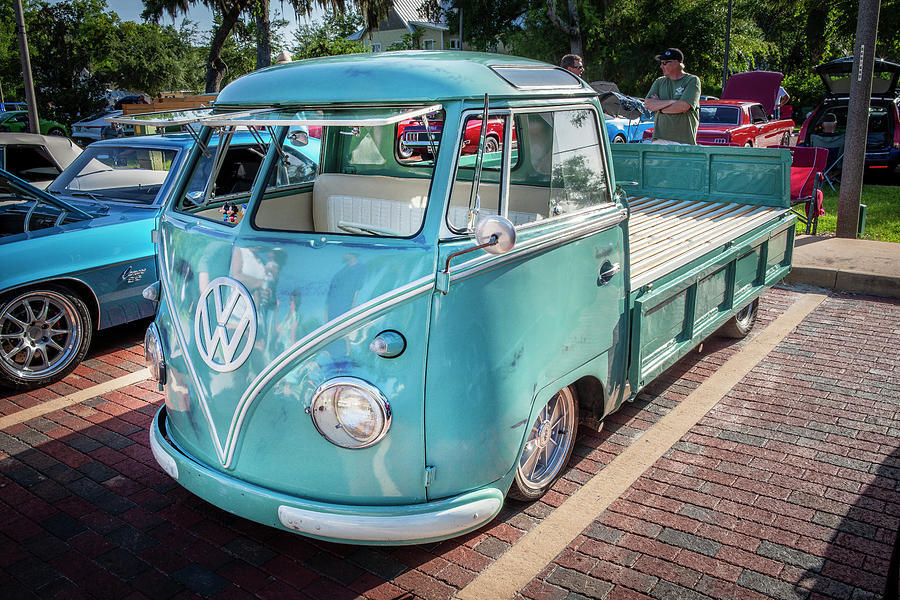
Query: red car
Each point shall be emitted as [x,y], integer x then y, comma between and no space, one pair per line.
[741,123]
[742,116]
[412,138]
[738,123]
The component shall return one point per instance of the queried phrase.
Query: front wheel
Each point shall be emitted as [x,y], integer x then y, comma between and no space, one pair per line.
[619,139]
[548,447]
[740,324]
[44,334]
[404,151]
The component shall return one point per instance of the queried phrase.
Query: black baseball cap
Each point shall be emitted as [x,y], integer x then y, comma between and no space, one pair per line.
[671,54]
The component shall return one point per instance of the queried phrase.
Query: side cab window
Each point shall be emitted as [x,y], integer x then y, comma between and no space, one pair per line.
[556,167]
[758,114]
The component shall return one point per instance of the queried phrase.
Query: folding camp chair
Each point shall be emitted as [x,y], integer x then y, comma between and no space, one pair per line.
[807,167]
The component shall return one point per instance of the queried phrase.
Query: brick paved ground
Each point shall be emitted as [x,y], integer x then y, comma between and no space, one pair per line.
[786,488]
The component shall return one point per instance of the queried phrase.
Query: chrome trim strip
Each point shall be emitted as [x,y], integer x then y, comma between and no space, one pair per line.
[390,528]
[537,244]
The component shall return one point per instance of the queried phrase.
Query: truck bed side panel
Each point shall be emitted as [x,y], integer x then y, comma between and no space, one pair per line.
[709,231]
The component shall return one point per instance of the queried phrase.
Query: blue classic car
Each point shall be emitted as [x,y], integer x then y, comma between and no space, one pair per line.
[626,118]
[90,232]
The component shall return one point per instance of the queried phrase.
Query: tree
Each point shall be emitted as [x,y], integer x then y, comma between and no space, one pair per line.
[569,26]
[329,37]
[69,43]
[150,58]
[230,12]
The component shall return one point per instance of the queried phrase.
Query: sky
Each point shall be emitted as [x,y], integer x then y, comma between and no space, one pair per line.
[130,10]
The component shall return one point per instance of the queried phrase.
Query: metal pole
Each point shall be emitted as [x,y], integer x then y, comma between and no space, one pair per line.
[460,27]
[727,45]
[34,124]
[853,164]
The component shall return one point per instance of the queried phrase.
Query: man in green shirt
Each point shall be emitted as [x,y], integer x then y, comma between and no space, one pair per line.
[675,97]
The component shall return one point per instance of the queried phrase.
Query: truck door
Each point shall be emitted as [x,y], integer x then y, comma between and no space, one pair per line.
[512,325]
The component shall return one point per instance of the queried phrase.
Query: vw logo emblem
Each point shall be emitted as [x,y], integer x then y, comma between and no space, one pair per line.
[225,324]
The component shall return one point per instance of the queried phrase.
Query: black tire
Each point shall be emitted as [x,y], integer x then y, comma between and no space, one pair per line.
[619,139]
[549,445]
[491,144]
[748,145]
[57,132]
[740,325]
[786,139]
[44,333]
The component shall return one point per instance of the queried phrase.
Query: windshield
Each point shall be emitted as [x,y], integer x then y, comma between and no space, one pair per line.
[118,173]
[337,171]
[719,115]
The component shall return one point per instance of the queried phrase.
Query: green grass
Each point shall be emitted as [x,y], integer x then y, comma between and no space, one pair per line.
[882,212]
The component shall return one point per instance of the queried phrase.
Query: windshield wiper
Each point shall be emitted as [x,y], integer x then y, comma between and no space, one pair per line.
[90,195]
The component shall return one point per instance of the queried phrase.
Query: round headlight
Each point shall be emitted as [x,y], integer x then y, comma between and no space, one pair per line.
[350,413]
[153,354]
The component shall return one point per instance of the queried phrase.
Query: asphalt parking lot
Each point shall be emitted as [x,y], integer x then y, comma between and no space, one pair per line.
[784,484]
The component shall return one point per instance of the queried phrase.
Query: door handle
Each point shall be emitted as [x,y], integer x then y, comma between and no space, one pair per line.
[607,271]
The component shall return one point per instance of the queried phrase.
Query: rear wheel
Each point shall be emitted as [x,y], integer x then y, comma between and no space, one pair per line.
[742,323]
[748,145]
[44,334]
[548,447]
[491,144]
[619,139]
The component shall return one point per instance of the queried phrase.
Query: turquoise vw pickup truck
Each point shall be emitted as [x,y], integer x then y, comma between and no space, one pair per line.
[383,353]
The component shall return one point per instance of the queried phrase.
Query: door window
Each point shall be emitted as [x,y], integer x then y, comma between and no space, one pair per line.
[561,168]
[758,114]
[461,216]
[556,168]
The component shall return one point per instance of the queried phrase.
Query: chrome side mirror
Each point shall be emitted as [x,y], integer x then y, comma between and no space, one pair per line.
[496,234]
[299,137]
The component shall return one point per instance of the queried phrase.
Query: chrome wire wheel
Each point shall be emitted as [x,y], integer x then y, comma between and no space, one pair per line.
[740,325]
[548,447]
[43,335]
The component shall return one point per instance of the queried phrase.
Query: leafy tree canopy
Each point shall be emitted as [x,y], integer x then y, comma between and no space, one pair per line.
[328,37]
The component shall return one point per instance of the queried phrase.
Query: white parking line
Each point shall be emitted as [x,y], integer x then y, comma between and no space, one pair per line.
[520,564]
[73,398]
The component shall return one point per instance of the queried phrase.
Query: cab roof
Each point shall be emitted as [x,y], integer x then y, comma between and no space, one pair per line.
[416,76]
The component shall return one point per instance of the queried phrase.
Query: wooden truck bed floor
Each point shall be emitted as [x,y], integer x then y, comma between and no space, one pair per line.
[667,234]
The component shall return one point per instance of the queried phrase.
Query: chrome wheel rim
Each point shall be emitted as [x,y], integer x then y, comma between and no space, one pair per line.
[744,317]
[549,440]
[39,334]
